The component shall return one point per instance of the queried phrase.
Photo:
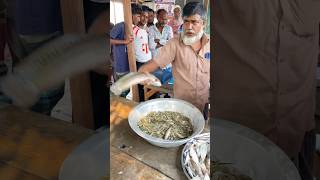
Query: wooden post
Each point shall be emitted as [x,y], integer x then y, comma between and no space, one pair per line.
[131,54]
[206,4]
[80,86]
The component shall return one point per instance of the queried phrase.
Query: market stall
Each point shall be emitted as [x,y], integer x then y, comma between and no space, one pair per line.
[139,155]
[132,157]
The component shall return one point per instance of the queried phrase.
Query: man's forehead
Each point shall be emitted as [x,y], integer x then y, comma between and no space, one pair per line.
[193,17]
[162,15]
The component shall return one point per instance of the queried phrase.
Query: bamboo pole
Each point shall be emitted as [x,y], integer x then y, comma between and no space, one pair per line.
[206,4]
[80,85]
[131,54]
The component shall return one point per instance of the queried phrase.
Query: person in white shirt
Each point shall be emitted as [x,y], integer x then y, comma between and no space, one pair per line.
[150,17]
[144,18]
[159,33]
[141,46]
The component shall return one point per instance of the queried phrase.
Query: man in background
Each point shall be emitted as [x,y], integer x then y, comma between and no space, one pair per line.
[150,17]
[141,45]
[144,18]
[176,22]
[160,33]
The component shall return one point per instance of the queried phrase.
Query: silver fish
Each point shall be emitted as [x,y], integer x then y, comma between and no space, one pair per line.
[202,152]
[133,78]
[193,154]
[197,158]
[190,171]
[50,64]
[196,178]
[168,133]
[206,177]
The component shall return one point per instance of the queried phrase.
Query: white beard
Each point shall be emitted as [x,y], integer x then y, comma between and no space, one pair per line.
[187,40]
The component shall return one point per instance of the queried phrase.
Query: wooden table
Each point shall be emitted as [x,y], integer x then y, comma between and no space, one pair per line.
[134,158]
[150,90]
[34,146]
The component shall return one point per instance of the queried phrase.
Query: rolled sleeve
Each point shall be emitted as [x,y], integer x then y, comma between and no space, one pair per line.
[116,31]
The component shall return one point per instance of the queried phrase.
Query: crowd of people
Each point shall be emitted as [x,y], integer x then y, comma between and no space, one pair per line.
[149,36]
[179,47]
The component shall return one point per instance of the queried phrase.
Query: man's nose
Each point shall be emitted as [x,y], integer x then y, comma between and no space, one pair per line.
[188,26]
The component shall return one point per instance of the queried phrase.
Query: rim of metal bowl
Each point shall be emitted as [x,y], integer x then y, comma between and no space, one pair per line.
[159,140]
[184,149]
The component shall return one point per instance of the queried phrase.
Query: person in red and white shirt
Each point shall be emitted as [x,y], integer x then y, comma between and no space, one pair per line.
[142,51]
[144,18]
[141,46]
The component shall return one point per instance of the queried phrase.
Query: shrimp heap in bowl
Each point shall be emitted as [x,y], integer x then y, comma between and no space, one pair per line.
[167,125]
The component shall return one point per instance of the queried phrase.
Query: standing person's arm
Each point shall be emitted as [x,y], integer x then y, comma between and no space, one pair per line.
[165,56]
[151,66]
[115,32]
[117,42]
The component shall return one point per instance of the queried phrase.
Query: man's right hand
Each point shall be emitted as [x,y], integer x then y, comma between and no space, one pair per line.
[129,39]
[151,66]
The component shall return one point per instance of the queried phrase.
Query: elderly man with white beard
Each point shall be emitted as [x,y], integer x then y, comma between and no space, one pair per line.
[189,55]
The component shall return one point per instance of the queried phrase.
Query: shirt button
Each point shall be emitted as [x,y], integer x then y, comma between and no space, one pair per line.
[281,60]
